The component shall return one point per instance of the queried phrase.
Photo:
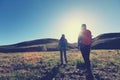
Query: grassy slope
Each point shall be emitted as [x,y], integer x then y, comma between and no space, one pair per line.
[40,65]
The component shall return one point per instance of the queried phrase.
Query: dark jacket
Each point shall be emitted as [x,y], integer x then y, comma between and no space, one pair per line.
[63,43]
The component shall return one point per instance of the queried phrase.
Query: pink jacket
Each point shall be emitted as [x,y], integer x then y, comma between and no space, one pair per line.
[86,37]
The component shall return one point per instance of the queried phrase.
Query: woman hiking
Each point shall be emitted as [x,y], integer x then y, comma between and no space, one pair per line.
[63,46]
[84,45]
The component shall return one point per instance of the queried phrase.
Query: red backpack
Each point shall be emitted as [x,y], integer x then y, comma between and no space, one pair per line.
[87,37]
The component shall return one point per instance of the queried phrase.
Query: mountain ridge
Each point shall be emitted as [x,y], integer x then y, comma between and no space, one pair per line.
[103,41]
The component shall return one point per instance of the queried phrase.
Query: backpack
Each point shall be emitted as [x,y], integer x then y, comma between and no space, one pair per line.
[63,42]
[86,37]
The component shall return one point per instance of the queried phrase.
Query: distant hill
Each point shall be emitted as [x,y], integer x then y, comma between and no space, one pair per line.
[47,44]
[107,41]
[103,41]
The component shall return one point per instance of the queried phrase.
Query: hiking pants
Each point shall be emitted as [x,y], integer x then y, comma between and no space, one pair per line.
[85,50]
[63,53]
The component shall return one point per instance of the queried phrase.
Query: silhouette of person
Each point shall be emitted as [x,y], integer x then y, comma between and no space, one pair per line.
[63,47]
[84,44]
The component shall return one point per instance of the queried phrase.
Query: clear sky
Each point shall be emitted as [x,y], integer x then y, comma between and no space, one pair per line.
[22,20]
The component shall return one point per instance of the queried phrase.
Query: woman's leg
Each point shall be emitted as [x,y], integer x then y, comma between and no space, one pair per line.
[65,56]
[86,56]
[61,56]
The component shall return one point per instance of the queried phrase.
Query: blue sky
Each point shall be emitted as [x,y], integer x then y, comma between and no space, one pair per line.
[22,20]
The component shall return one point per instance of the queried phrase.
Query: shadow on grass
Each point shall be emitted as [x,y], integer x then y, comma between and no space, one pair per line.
[80,65]
[88,73]
[50,75]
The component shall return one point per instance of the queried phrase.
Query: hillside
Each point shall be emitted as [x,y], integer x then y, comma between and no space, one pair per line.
[107,41]
[47,44]
[103,41]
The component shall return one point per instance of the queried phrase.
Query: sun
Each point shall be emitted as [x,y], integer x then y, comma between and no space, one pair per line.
[70,23]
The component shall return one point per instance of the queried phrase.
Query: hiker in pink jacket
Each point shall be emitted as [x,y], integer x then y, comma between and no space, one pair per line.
[84,44]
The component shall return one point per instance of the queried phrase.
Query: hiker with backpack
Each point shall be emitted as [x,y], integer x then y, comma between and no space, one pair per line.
[84,45]
[63,46]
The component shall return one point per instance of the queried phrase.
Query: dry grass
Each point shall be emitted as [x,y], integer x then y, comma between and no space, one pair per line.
[36,65]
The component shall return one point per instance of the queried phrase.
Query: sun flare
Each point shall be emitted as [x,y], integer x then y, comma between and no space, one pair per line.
[70,23]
